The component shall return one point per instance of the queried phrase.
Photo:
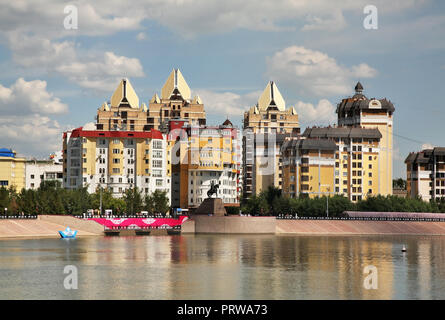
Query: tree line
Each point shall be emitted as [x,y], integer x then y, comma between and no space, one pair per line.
[272,202]
[51,198]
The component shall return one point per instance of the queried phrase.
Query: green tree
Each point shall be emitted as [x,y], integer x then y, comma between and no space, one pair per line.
[133,200]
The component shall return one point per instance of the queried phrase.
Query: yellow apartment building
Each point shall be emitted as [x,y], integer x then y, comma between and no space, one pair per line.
[357,159]
[12,170]
[308,167]
[206,154]
[359,111]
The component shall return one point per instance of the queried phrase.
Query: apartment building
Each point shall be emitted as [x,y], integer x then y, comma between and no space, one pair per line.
[202,155]
[12,169]
[359,111]
[117,160]
[175,102]
[37,171]
[265,127]
[425,174]
[308,167]
[357,159]
[124,112]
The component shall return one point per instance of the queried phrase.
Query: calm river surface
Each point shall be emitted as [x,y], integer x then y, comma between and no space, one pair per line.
[224,267]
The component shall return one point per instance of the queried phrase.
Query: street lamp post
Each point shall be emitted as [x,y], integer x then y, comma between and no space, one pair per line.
[327,198]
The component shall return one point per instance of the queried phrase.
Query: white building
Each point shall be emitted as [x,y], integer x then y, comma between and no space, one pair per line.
[37,171]
[117,160]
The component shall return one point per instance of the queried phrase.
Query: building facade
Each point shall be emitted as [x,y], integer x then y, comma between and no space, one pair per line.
[308,167]
[117,160]
[12,170]
[37,171]
[359,111]
[425,174]
[357,159]
[175,102]
[265,126]
[202,155]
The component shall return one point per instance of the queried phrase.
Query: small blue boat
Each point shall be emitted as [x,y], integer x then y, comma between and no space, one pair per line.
[68,233]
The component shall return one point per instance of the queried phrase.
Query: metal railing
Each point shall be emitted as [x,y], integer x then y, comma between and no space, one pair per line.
[18,216]
[292,217]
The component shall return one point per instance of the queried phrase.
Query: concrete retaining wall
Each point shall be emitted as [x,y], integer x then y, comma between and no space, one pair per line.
[74,223]
[46,226]
[234,224]
[359,227]
[188,226]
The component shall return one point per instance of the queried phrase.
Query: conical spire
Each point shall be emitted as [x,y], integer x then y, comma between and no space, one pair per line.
[358,88]
[125,93]
[155,99]
[176,86]
[271,97]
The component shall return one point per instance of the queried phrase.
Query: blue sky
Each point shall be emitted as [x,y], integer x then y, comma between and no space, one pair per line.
[54,79]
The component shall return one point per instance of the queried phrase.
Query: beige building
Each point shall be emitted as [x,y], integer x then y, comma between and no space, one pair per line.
[123,112]
[425,174]
[357,159]
[265,127]
[175,102]
[308,167]
[359,111]
[12,170]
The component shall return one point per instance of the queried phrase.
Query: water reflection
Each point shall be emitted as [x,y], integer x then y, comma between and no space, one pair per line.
[224,267]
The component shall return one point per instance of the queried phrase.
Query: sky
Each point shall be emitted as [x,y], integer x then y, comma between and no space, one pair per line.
[54,77]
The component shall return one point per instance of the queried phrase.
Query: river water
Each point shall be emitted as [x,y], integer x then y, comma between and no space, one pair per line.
[224,267]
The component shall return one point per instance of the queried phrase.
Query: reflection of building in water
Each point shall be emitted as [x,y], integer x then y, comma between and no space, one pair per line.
[424,268]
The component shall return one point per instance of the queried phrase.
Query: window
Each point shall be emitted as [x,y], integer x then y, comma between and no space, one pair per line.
[116,141]
[370,166]
[116,160]
[157,163]
[157,154]
[157,144]
[159,183]
[32,176]
[116,170]
[116,151]
[370,183]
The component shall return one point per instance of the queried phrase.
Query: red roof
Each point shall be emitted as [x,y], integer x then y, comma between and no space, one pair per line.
[152,134]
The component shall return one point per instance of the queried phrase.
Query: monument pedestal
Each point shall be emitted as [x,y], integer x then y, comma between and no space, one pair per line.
[213,206]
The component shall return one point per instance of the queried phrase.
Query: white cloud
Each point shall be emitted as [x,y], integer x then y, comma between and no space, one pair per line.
[88,68]
[25,124]
[227,103]
[25,97]
[32,135]
[186,17]
[314,72]
[322,113]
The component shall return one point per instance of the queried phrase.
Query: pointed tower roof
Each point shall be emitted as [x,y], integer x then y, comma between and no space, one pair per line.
[144,107]
[104,107]
[271,97]
[175,86]
[292,110]
[155,99]
[125,94]
[197,100]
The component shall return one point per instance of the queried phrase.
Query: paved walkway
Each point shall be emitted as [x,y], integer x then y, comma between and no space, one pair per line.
[359,227]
